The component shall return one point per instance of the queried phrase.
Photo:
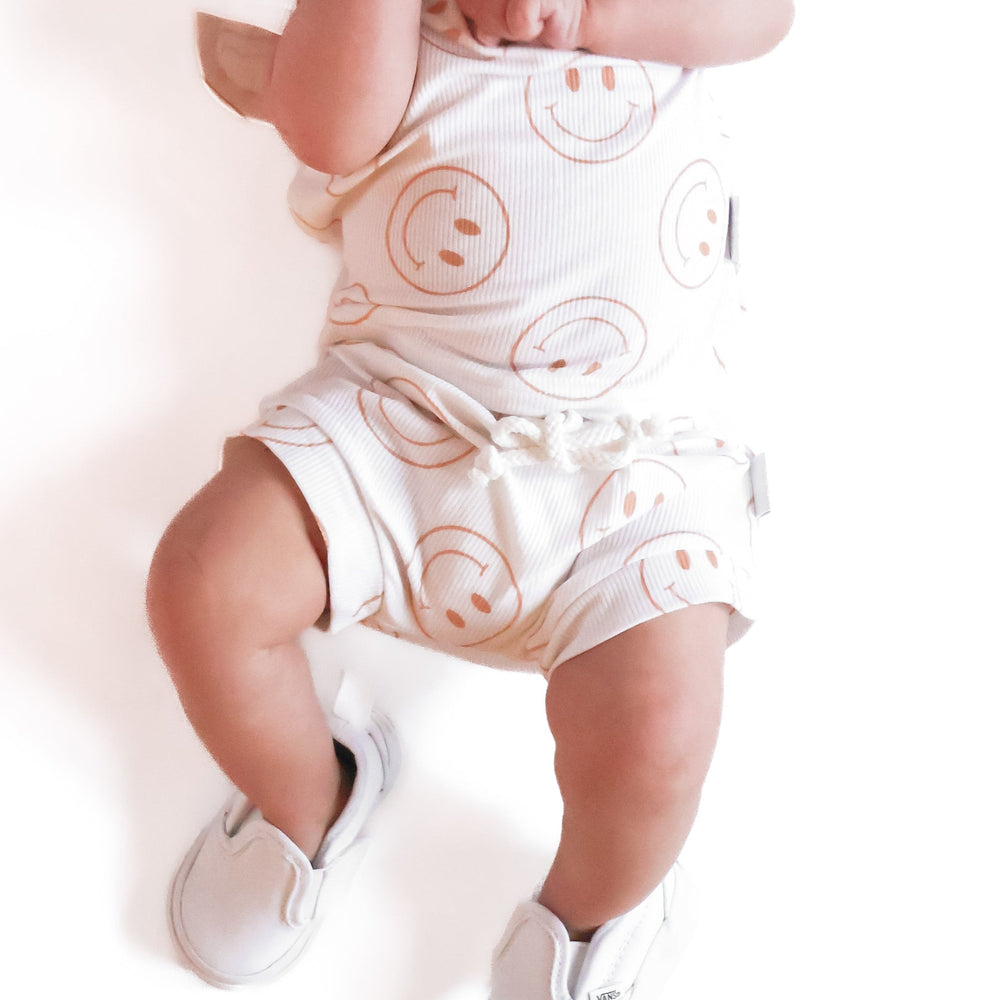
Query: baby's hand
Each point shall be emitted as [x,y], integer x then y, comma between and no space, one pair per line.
[552,23]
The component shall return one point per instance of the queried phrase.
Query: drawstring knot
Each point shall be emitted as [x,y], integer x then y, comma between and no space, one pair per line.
[570,442]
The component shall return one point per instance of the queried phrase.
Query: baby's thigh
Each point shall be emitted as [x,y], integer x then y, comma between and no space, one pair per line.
[244,555]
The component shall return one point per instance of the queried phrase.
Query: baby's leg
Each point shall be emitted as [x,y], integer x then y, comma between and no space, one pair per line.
[237,577]
[635,722]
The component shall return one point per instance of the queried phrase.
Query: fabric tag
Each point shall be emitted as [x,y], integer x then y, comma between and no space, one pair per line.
[758,483]
[733,235]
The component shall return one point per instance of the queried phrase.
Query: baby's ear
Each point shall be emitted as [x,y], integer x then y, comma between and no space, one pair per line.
[236,61]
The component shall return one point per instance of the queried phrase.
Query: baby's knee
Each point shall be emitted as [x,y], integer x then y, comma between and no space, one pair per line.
[674,738]
[237,565]
[188,589]
[669,744]
[650,760]
[652,739]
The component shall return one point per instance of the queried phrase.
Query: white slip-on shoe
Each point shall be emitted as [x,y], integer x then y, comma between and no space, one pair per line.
[628,958]
[246,901]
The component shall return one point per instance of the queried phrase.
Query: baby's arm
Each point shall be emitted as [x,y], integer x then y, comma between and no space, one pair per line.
[341,79]
[682,32]
[686,32]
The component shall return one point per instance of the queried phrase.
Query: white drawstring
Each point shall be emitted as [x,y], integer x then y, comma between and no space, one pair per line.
[571,442]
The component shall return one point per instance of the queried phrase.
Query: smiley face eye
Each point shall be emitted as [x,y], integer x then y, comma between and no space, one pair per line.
[479,602]
[683,559]
[608,77]
[573,79]
[712,558]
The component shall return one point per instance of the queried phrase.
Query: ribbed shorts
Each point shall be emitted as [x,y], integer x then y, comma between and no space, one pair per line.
[522,572]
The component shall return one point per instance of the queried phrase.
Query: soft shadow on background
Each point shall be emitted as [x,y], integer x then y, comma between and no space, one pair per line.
[154,288]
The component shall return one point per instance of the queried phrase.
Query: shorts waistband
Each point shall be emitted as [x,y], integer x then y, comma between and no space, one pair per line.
[571,441]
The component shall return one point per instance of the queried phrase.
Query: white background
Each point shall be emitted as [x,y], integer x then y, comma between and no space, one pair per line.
[153,287]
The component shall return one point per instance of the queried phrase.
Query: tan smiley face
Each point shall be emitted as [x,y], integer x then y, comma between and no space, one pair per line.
[627,494]
[669,576]
[414,434]
[464,591]
[694,224]
[289,427]
[589,111]
[579,349]
[448,231]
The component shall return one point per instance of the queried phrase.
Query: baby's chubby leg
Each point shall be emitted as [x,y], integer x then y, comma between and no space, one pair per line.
[635,722]
[237,577]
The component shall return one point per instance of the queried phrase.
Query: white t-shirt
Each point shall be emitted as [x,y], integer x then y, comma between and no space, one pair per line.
[547,231]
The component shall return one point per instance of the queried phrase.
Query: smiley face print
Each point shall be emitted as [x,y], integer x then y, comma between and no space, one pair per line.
[626,495]
[668,577]
[288,427]
[694,224]
[415,435]
[448,231]
[591,112]
[464,591]
[579,349]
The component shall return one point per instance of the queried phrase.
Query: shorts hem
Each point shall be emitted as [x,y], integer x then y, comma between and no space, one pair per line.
[354,563]
[622,602]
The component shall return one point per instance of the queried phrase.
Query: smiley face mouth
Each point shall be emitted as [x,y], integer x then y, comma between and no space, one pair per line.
[551,108]
[672,589]
[560,333]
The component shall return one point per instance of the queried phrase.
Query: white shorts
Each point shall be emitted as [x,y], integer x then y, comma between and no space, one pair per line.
[522,572]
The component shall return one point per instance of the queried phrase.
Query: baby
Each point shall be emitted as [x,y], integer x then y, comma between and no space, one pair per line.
[518,446]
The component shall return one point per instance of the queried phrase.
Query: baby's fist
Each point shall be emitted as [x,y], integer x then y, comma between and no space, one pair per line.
[553,23]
